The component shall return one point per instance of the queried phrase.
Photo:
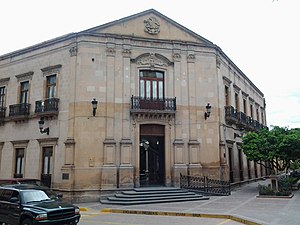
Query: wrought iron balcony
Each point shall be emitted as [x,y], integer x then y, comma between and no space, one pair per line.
[2,113]
[21,109]
[231,115]
[250,123]
[47,106]
[153,107]
[257,125]
[165,104]
[242,119]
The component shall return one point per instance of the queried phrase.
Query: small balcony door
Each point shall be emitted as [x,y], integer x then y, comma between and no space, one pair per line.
[151,89]
[47,166]
[51,87]
[151,84]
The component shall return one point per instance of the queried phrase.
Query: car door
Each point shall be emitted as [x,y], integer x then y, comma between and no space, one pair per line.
[5,196]
[2,207]
[13,208]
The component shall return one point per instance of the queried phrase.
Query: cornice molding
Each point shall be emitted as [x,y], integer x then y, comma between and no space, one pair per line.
[24,76]
[4,81]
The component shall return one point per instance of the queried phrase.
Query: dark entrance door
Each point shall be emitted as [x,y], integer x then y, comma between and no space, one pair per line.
[152,157]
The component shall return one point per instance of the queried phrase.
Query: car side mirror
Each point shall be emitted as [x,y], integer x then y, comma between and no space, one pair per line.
[14,200]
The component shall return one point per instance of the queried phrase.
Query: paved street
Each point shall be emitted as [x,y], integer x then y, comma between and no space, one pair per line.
[241,204]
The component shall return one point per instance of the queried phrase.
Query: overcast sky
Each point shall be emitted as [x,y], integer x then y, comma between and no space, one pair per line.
[261,37]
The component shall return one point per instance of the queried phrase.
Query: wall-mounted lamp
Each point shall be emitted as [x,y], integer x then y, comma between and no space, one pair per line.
[208,111]
[41,126]
[94,105]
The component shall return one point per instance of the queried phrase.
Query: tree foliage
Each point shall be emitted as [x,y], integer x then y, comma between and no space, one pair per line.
[278,148]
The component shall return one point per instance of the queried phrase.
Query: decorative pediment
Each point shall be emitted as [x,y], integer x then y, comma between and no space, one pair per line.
[152,60]
[149,24]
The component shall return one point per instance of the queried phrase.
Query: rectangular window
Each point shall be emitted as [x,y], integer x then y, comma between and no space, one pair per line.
[251,111]
[19,167]
[151,84]
[226,96]
[2,97]
[24,92]
[245,106]
[257,115]
[47,160]
[51,87]
[236,96]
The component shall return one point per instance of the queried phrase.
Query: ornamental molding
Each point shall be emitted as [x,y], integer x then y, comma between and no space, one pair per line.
[152,26]
[236,88]
[126,53]
[73,51]
[4,81]
[110,51]
[24,76]
[50,70]
[152,60]
[191,58]
[177,57]
[227,81]
[245,95]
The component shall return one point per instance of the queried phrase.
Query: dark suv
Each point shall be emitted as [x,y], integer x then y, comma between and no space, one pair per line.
[30,204]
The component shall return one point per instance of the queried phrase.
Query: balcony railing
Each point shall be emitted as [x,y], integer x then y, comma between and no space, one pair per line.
[2,113]
[242,119]
[21,109]
[47,105]
[257,125]
[231,114]
[250,123]
[153,104]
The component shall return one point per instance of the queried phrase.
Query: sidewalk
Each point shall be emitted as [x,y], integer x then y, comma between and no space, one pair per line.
[242,204]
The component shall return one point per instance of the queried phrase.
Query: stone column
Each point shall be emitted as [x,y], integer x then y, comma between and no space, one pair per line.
[126,170]
[193,144]
[180,162]
[109,170]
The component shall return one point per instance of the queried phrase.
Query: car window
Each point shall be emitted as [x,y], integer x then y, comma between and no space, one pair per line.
[1,195]
[34,196]
[6,195]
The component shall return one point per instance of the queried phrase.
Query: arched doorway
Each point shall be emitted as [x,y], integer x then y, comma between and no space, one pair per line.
[152,155]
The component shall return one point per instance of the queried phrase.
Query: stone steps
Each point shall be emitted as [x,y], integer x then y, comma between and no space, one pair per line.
[152,195]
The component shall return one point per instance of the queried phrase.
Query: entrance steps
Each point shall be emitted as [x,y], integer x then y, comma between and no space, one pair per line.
[150,195]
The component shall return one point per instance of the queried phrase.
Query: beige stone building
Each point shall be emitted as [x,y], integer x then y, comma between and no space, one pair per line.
[169,102]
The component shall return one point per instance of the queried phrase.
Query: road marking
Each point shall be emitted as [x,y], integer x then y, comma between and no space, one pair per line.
[225,221]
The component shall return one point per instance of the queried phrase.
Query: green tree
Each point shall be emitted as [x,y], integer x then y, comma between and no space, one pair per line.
[275,149]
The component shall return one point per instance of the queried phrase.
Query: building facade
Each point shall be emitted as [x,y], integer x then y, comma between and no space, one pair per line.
[170,102]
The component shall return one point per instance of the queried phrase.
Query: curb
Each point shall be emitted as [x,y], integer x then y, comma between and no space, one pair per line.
[203,215]
[83,209]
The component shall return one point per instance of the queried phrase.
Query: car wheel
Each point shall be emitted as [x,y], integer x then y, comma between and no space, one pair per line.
[27,222]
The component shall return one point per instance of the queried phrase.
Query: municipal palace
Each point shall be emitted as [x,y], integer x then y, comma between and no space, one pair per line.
[135,102]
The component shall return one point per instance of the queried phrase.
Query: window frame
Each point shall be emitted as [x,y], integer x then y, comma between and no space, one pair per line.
[151,87]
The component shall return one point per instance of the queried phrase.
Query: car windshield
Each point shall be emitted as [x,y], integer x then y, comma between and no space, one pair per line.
[34,196]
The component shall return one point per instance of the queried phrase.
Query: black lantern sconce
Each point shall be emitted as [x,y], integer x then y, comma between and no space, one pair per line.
[208,111]
[41,126]
[94,105]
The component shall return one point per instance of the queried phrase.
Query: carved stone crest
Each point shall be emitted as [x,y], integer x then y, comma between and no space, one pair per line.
[152,60]
[152,25]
